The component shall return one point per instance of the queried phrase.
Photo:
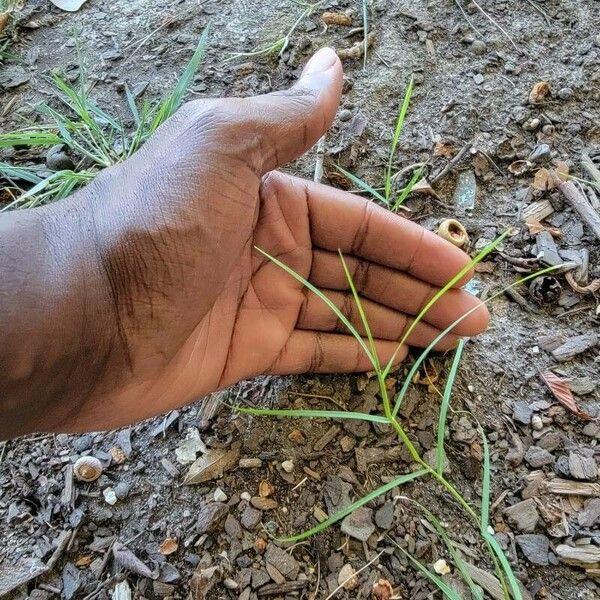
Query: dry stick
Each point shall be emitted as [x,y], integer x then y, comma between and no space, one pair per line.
[496,24]
[452,163]
[320,158]
[579,202]
[541,11]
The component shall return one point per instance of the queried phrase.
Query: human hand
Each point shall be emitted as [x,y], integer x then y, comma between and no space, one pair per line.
[185,303]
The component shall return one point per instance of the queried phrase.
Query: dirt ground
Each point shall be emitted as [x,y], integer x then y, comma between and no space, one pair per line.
[211,540]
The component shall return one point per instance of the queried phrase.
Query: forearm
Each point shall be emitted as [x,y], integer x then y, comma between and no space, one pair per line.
[55,318]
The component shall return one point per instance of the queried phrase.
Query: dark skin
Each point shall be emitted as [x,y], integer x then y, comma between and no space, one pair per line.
[144,291]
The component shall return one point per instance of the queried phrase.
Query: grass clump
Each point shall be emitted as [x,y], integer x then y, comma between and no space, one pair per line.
[94,137]
[478,515]
[385,194]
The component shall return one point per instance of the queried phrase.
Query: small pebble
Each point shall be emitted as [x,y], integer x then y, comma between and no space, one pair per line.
[219,495]
[565,93]
[345,115]
[287,466]
[478,78]
[110,496]
[122,490]
[536,422]
[245,496]
[250,463]
[479,47]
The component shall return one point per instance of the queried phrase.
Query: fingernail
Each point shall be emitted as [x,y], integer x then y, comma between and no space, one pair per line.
[320,62]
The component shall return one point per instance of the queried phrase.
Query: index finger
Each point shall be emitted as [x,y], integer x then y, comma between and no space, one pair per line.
[340,220]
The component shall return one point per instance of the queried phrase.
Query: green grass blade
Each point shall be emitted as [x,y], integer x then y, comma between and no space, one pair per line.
[311,414]
[440,453]
[396,138]
[132,106]
[361,312]
[29,138]
[408,189]
[22,173]
[489,248]
[173,101]
[363,185]
[458,561]
[437,581]
[485,487]
[423,355]
[324,298]
[512,580]
[349,509]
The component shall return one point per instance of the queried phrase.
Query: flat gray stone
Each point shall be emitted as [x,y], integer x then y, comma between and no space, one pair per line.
[359,524]
[284,562]
[582,467]
[384,516]
[523,515]
[537,457]
[535,548]
[590,515]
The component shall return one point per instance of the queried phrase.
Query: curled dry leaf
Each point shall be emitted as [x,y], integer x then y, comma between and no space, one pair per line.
[213,464]
[536,227]
[539,92]
[265,489]
[519,167]
[382,590]
[336,18]
[168,546]
[561,391]
[128,560]
[543,180]
[582,289]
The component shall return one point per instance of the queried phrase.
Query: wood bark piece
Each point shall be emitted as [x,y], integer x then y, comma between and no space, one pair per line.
[566,487]
[575,345]
[579,202]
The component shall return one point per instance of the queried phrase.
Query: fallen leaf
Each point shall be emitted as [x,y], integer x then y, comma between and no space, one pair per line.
[212,465]
[485,267]
[168,546]
[336,18]
[543,180]
[69,5]
[3,21]
[539,91]
[128,560]
[84,561]
[382,590]
[561,391]
[444,149]
[562,170]
[536,227]
[265,489]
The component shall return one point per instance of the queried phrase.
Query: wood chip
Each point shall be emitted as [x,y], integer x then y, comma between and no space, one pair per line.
[326,438]
[566,487]
[537,211]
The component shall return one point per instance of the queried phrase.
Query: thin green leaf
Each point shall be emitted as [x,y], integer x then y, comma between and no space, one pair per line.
[437,581]
[361,312]
[396,137]
[485,487]
[133,106]
[349,509]
[29,138]
[363,185]
[489,248]
[175,98]
[439,451]
[408,189]
[458,561]
[22,173]
[311,414]
[512,580]
[425,353]
[339,314]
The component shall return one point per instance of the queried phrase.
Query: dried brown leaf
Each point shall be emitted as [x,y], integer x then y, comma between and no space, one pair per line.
[539,91]
[212,465]
[168,546]
[444,149]
[336,18]
[536,227]
[561,391]
[543,180]
[382,590]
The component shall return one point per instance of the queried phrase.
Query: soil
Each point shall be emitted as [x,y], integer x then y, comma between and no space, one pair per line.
[472,89]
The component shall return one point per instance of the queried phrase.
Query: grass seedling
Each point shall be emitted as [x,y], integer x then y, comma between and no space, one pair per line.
[385,193]
[95,138]
[280,45]
[479,516]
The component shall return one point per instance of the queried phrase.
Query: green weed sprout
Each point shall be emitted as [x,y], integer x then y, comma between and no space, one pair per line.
[385,198]
[99,139]
[478,515]
[280,45]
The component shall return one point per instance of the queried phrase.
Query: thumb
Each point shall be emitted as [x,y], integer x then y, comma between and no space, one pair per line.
[286,124]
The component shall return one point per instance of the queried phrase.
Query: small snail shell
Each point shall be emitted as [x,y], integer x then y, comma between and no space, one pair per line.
[87,468]
[454,232]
